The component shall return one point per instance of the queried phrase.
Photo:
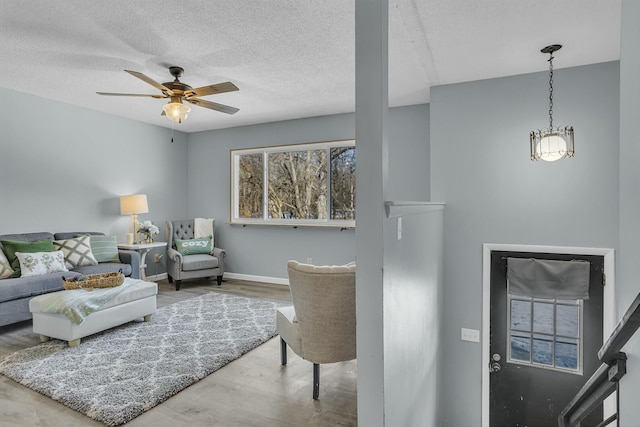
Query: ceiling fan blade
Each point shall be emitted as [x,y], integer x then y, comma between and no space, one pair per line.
[130,94]
[213,106]
[211,89]
[152,82]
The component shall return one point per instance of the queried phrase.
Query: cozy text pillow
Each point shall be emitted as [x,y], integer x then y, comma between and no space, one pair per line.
[77,251]
[13,246]
[39,263]
[104,248]
[5,266]
[194,246]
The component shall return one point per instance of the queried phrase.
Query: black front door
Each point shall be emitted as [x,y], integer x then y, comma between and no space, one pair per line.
[542,350]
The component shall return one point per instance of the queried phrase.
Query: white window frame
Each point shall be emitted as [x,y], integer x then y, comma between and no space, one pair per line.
[555,303]
[265,220]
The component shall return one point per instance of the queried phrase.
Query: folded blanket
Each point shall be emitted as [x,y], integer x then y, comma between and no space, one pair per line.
[77,304]
[203,227]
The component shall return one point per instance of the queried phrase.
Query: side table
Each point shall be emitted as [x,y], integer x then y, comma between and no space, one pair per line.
[143,249]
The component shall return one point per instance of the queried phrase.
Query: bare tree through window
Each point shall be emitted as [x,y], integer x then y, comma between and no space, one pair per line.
[306,183]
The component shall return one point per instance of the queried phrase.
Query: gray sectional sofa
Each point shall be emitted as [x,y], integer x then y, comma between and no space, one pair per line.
[15,293]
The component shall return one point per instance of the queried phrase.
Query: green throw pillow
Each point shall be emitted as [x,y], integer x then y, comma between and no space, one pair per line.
[105,248]
[13,246]
[194,246]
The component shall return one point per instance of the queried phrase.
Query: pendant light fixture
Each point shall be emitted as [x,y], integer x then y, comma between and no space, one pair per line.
[553,143]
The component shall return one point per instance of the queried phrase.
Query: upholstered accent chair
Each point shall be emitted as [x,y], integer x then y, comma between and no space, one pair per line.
[321,325]
[181,267]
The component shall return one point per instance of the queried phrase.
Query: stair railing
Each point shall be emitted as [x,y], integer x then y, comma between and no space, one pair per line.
[606,379]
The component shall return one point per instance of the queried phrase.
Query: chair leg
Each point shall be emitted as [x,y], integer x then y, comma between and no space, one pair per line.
[283,352]
[178,283]
[219,279]
[316,381]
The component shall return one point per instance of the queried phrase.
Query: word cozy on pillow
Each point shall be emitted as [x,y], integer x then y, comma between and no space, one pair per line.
[39,263]
[194,246]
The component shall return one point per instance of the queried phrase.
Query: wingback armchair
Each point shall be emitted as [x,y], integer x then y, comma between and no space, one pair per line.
[321,325]
[180,266]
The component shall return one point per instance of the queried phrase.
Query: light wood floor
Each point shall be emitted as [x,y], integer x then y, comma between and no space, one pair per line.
[253,390]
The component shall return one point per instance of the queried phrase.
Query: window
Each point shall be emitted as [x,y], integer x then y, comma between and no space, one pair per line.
[545,333]
[307,184]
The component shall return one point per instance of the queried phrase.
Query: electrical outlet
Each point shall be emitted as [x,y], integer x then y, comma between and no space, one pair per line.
[309,261]
[472,335]
[157,258]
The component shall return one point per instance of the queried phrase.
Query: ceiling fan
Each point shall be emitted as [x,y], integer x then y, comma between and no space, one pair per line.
[177,91]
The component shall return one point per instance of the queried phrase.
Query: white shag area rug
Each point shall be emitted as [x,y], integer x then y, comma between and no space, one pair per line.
[116,375]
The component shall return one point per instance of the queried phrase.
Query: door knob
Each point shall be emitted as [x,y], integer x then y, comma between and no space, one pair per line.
[494,367]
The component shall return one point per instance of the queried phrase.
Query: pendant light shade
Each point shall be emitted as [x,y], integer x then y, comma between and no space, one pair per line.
[554,143]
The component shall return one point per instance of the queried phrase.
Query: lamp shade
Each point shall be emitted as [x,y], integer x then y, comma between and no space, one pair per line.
[134,204]
[175,110]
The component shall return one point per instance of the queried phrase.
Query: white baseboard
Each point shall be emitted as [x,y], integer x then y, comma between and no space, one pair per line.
[155,277]
[252,278]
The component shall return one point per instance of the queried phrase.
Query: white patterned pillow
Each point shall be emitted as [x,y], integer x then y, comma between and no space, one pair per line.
[5,266]
[39,263]
[77,251]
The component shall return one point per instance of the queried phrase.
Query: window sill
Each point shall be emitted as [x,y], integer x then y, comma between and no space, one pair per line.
[350,225]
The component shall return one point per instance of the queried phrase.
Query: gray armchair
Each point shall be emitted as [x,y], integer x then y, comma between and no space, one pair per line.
[180,267]
[321,325]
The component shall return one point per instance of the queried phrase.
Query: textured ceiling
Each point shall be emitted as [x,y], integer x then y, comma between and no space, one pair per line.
[290,58]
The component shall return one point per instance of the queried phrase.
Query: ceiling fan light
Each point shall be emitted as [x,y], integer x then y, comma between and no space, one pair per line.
[176,111]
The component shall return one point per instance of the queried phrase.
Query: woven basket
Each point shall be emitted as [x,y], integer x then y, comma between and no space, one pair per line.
[93,281]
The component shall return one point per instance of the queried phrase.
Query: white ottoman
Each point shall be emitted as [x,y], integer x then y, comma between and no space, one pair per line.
[137,301]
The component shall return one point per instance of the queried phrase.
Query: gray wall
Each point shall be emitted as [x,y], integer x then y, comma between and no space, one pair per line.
[480,168]
[629,254]
[263,250]
[63,168]
[412,312]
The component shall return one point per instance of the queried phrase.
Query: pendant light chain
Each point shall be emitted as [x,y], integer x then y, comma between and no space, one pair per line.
[551,91]
[554,143]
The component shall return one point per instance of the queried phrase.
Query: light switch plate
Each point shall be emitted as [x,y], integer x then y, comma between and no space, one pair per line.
[472,335]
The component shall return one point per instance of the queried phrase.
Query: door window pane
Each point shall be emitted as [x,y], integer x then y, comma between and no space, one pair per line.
[567,320]
[521,346]
[521,315]
[543,350]
[567,353]
[543,317]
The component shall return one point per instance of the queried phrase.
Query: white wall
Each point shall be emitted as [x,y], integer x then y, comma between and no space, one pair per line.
[629,254]
[480,168]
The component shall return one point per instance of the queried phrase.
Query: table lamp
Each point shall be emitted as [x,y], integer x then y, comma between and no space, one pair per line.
[133,205]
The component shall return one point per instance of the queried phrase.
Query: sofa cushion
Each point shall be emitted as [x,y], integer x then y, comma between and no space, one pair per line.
[201,245]
[16,288]
[39,263]
[104,248]
[105,267]
[199,262]
[13,246]
[5,266]
[77,251]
